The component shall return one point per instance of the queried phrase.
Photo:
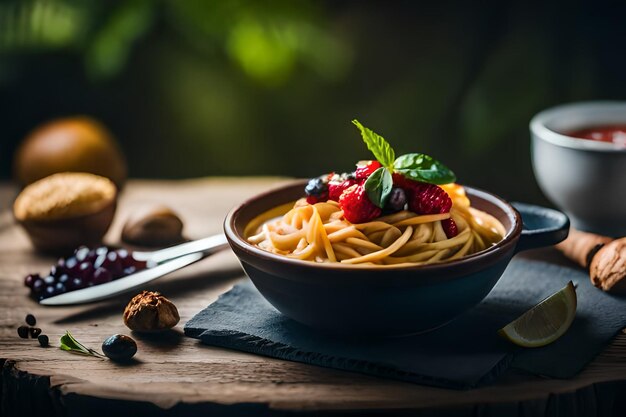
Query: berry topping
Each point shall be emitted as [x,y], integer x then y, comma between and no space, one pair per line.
[365,169]
[317,190]
[449,226]
[357,208]
[96,266]
[424,198]
[335,189]
[397,200]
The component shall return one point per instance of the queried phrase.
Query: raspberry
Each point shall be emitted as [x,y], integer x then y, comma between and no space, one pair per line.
[312,199]
[357,208]
[366,169]
[449,226]
[336,188]
[424,198]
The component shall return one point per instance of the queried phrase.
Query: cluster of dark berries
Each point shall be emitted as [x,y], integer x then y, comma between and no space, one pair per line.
[34,332]
[85,268]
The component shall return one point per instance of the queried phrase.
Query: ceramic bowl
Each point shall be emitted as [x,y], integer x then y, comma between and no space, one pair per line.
[584,178]
[390,300]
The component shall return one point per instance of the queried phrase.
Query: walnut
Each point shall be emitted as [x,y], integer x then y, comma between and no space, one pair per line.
[608,267]
[153,226]
[150,312]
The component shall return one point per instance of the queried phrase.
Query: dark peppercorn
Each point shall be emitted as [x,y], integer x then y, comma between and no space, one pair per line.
[43,340]
[35,332]
[22,331]
[31,320]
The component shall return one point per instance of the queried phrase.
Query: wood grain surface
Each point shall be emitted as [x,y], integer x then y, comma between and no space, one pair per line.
[178,375]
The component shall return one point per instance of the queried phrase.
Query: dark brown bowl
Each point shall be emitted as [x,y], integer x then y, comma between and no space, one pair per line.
[388,300]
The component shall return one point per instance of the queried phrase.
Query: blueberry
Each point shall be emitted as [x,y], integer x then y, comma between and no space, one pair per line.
[100,260]
[63,279]
[75,284]
[101,276]
[130,270]
[71,262]
[119,347]
[316,187]
[102,250]
[85,271]
[397,200]
[49,291]
[81,253]
[38,285]
[30,279]
[59,288]
[49,280]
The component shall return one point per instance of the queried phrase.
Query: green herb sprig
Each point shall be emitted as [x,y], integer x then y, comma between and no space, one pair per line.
[70,344]
[415,166]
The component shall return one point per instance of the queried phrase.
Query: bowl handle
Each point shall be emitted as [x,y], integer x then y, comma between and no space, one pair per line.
[541,226]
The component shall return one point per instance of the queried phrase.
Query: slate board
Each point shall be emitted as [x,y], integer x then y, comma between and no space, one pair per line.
[463,354]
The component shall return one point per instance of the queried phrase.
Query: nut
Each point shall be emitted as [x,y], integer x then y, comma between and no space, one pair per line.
[608,267]
[150,312]
[155,226]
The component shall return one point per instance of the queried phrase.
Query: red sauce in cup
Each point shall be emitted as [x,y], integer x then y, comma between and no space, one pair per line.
[613,134]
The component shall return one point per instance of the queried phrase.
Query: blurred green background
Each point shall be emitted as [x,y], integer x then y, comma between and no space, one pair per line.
[240,87]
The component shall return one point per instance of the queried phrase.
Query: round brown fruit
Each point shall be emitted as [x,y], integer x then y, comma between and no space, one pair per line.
[75,144]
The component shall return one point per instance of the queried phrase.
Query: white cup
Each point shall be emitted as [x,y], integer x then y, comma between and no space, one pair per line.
[584,178]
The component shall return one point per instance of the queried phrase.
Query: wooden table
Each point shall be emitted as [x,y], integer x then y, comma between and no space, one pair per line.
[175,374]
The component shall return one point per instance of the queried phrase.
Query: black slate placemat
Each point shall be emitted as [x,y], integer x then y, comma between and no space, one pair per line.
[462,354]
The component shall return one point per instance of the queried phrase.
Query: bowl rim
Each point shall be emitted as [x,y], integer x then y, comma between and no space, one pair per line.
[541,131]
[509,239]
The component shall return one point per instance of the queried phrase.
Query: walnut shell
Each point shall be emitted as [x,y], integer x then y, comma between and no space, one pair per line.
[608,267]
[150,312]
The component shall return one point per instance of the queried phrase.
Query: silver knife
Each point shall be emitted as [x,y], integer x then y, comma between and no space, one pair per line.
[166,261]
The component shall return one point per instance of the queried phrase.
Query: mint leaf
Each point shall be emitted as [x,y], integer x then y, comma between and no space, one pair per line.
[378,186]
[421,167]
[69,343]
[381,149]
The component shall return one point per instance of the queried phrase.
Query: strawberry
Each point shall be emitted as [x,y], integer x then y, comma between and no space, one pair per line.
[357,208]
[424,198]
[365,168]
[335,189]
[449,226]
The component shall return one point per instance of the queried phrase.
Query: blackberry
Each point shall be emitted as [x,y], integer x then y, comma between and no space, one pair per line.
[397,200]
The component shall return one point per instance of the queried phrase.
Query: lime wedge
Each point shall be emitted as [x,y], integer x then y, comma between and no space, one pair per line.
[545,322]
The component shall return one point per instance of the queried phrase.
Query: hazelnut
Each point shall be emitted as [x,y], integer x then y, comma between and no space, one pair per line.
[154,226]
[150,312]
[65,210]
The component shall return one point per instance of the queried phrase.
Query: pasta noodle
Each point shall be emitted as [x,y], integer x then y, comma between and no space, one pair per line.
[319,233]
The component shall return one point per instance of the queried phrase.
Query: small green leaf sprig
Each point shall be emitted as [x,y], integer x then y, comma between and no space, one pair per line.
[415,166]
[70,344]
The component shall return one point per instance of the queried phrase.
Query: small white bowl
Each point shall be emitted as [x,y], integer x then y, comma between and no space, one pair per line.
[584,178]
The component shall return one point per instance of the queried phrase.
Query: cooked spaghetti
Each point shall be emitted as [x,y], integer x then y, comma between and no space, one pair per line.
[320,233]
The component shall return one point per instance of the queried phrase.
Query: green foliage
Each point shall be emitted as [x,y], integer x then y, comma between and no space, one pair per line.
[378,186]
[420,167]
[381,149]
